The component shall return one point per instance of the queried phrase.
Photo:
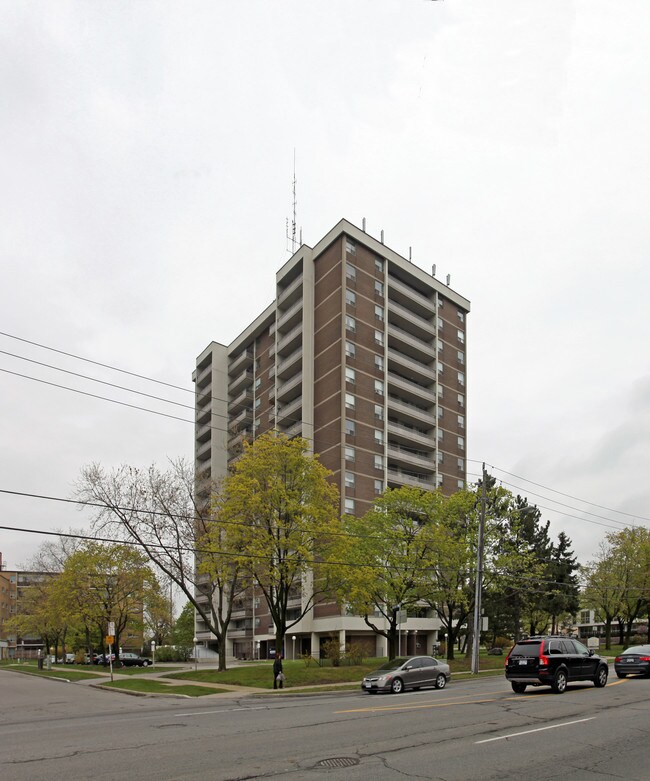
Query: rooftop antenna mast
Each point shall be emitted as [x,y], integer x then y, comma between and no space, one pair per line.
[291,236]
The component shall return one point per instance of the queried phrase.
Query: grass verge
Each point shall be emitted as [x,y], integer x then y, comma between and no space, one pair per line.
[160,687]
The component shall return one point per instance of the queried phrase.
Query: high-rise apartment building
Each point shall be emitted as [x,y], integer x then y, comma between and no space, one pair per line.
[363,354]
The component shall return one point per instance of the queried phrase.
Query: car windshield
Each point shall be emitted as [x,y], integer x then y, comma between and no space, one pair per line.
[526,649]
[638,649]
[395,663]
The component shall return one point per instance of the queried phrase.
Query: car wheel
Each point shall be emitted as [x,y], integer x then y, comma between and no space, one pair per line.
[441,681]
[559,682]
[601,677]
[621,675]
[517,687]
[397,686]
[145,663]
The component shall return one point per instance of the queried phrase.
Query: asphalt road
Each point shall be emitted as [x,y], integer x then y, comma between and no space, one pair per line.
[470,730]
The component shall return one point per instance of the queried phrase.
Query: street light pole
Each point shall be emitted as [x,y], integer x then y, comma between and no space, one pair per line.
[293,640]
[196,654]
[479,577]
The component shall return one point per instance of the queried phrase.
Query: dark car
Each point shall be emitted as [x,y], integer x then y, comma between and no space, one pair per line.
[133,660]
[553,661]
[632,661]
[407,672]
[104,659]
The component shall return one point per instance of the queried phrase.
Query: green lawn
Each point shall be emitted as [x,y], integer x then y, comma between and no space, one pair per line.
[67,673]
[299,674]
[156,686]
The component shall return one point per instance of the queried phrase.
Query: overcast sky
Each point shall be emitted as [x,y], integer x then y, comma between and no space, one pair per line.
[146,163]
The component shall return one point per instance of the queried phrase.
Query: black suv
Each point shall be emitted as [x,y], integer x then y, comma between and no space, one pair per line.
[553,661]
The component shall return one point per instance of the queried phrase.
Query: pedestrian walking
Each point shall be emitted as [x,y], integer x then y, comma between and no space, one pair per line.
[278,675]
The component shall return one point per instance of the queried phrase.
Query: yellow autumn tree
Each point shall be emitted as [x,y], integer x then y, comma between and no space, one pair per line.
[283,526]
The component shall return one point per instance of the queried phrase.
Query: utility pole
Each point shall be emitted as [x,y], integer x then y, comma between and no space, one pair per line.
[479,577]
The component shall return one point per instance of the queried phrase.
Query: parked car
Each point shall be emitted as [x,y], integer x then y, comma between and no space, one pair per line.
[134,660]
[553,661]
[410,672]
[633,660]
[90,660]
[104,658]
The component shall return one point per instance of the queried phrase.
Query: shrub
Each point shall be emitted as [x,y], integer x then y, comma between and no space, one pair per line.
[332,651]
[355,653]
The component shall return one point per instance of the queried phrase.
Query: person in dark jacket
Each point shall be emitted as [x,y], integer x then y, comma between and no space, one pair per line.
[277,671]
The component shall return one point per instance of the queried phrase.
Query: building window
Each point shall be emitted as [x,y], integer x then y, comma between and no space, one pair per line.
[460,484]
[379,288]
[379,313]
[461,465]
[461,421]
[379,412]
[439,480]
[258,401]
[461,378]
[350,298]
[440,434]
[379,487]
[350,272]
[350,428]
[461,337]
[349,454]
[258,423]
[461,443]
[349,506]
[379,462]
[461,357]
[350,247]
[440,411]
[379,338]
[349,401]
[349,479]
[440,323]
[379,265]
[379,362]
[258,382]
[350,350]
[439,367]
[461,317]
[379,437]
[585,616]
[440,391]
[379,387]
[350,323]
[350,375]
[461,400]
[441,457]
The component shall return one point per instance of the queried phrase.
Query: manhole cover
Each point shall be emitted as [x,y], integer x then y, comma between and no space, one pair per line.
[338,762]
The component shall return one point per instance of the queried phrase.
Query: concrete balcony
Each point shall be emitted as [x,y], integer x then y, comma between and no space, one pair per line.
[245,398]
[411,390]
[409,366]
[401,434]
[241,361]
[204,451]
[405,318]
[204,378]
[290,414]
[290,365]
[242,380]
[400,477]
[419,462]
[203,432]
[290,341]
[290,294]
[287,391]
[408,344]
[422,418]
[410,298]
[287,320]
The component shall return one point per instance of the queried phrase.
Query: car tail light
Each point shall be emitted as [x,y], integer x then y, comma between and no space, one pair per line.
[543,660]
[644,658]
[618,659]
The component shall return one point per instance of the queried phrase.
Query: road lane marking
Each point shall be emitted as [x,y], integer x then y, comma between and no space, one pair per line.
[393,708]
[530,731]
[220,710]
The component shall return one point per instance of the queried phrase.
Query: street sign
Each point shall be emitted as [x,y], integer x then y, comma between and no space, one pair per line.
[111,628]
[402,616]
[109,639]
